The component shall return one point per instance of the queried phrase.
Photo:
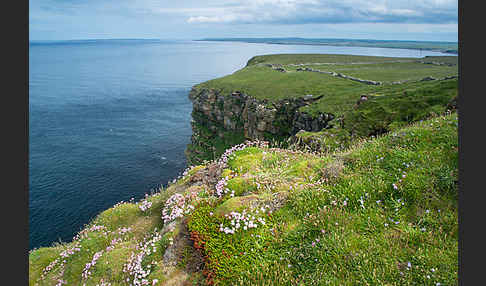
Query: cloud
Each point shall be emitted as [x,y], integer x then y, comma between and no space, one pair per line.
[68,19]
[327,11]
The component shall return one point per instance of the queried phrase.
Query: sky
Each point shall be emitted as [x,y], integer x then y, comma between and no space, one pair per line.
[420,20]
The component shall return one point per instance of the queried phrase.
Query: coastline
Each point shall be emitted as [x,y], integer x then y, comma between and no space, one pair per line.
[344,43]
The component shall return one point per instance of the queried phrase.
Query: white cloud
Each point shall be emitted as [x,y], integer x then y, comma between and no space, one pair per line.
[214,19]
[322,11]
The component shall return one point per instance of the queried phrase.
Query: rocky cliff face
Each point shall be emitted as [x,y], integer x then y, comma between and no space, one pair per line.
[221,120]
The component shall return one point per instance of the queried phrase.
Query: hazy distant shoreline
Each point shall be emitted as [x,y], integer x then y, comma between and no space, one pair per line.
[444,47]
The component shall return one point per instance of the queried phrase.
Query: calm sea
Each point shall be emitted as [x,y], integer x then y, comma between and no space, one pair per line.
[109,119]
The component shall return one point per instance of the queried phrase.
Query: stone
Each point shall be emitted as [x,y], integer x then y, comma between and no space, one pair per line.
[261,126]
[427,78]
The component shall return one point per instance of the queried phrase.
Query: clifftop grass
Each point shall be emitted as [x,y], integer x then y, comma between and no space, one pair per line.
[340,95]
[382,211]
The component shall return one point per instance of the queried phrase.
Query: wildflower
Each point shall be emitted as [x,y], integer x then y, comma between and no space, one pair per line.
[176,207]
[145,205]
[88,265]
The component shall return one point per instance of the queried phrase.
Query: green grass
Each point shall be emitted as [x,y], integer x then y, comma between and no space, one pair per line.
[357,246]
[264,83]
[381,114]
[336,219]
[319,58]
[389,72]
[339,95]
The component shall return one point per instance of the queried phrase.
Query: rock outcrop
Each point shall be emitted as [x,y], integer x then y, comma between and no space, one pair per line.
[369,82]
[217,116]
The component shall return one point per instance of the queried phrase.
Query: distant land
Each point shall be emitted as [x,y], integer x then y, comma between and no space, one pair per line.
[92,41]
[444,47]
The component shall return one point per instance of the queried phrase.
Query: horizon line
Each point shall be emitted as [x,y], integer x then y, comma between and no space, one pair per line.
[229,38]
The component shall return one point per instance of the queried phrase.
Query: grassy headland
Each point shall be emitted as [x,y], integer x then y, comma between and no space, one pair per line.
[398,91]
[262,82]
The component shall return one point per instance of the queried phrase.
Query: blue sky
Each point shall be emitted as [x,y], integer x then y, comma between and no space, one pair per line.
[428,20]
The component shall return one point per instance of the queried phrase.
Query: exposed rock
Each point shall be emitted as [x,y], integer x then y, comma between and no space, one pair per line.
[362,99]
[450,77]
[428,78]
[208,176]
[256,119]
[180,244]
[452,105]
[340,75]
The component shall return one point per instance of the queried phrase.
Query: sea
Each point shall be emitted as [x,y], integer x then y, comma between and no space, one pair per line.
[109,120]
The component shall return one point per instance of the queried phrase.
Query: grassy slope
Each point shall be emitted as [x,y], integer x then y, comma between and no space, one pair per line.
[342,221]
[340,94]
[389,72]
[390,103]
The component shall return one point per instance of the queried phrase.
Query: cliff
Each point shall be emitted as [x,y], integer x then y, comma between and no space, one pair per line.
[235,117]
[275,97]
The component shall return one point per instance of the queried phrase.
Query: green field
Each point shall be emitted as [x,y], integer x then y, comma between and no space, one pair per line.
[417,98]
[388,72]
